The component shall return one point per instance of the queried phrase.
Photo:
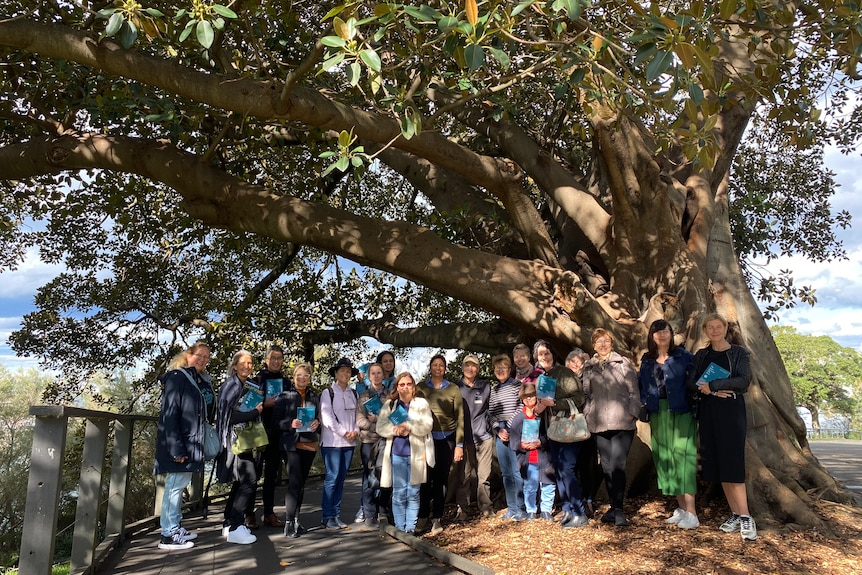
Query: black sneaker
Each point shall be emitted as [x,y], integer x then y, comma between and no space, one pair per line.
[176,541]
[610,516]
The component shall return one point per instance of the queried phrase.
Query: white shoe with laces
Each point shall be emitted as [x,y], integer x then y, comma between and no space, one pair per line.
[676,517]
[187,535]
[747,528]
[241,535]
[688,521]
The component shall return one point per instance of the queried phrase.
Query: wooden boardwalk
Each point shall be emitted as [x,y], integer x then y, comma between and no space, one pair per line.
[345,552]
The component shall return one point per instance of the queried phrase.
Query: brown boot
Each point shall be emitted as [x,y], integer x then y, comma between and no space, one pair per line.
[251,522]
[271,520]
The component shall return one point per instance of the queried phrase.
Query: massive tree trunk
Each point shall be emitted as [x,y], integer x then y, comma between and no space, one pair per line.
[642,234]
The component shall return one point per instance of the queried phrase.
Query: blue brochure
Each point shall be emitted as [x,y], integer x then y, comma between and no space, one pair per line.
[398,415]
[530,430]
[253,396]
[274,387]
[714,372]
[306,416]
[373,405]
[546,387]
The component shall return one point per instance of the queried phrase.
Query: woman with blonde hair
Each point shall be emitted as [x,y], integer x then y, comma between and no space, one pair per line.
[407,454]
[721,373]
[298,445]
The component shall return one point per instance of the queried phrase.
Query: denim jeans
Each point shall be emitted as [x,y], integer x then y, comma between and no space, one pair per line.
[565,458]
[172,501]
[513,484]
[370,484]
[337,462]
[405,496]
[531,487]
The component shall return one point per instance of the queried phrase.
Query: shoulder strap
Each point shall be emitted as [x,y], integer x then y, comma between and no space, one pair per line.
[332,401]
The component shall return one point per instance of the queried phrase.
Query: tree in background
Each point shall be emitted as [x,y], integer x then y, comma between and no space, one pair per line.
[447,175]
[825,377]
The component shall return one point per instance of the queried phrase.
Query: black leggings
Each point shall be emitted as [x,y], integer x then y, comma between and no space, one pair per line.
[438,478]
[614,448]
[242,490]
[298,467]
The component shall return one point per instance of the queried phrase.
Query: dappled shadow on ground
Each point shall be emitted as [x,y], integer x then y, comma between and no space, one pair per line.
[649,545]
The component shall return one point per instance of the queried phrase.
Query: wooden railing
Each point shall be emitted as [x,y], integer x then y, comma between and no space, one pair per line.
[46,478]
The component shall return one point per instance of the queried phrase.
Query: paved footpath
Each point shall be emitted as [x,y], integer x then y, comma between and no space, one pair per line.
[842,458]
[318,552]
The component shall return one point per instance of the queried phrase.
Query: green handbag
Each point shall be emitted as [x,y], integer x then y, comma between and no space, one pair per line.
[252,436]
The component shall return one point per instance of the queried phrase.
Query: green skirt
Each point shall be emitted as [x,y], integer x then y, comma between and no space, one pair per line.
[674,450]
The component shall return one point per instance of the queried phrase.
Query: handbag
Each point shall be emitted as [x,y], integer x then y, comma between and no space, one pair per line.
[252,436]
[568,428]
[212,443]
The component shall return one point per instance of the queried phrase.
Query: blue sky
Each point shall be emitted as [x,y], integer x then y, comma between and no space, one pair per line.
[837,314]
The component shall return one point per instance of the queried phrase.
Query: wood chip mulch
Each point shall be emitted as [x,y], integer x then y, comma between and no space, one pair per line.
[648,545]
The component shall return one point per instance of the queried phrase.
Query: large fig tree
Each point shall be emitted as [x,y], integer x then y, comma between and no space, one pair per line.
[463,175]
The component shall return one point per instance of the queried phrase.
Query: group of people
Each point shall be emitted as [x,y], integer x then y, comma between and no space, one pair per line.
[411,433]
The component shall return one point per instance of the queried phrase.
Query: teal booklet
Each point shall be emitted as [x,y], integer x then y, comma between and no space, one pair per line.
[546,387]
[398,415]
[714,372]
[274,387]
[360,387]
[530,430]
[253,396]
[306,416]
[373,405]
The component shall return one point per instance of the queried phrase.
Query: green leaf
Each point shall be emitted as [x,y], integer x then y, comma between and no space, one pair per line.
[343,163]
[190,25]
[105,13]
[335,12]
[224,11]
[577,76]
[354,72]
[332,62]
[114,23]
[344,138]
[521,7]
[204,33]
[154,13]
[128,35]
[696,93]
[333,42]
[658,65]
[408,127]
[475,57]
[371,59]
[447,23]
[500,56]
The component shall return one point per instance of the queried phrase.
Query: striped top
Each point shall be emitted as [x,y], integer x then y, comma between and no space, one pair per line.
[504,403]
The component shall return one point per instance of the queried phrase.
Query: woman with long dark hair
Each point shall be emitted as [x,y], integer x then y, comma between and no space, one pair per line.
[673,429]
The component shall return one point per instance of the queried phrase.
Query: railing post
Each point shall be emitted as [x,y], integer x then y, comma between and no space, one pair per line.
[43,496]
[116,517]
[89,490]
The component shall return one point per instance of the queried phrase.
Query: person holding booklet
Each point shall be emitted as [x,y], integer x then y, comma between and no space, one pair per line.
[370,403]
[405,421]
[272,381]
[296,416]
[673,430]
[560,384]
[528,437]
[721,373]
[240,403]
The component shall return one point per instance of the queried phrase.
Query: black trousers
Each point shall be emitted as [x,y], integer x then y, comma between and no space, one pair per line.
[613,449]
[298,468]
[242,490]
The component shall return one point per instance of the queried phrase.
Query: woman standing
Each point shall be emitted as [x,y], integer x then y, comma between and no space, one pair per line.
[366,421]
[721,374]
[386,359]
[502,406]
[447,406]
[673,430]
[405,459]
[186,401]
[298,447]
[563,455]
[613,404]
[337,440]
[240,470]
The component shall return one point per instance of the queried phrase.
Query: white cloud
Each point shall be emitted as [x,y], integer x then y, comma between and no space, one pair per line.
[31,274]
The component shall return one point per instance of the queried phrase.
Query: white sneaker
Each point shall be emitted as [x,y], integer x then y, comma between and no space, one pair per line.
[187,535]
[174,542]
[688,521]
[241,535]
[747,528]
[676,517]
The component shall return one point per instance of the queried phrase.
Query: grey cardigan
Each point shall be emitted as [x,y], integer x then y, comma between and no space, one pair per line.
[613,399]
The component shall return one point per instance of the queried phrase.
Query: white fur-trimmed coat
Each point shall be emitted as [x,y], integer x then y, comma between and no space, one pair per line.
[421,443]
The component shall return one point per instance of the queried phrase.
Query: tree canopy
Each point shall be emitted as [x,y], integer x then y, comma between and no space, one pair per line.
[825,376]
[464,175]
